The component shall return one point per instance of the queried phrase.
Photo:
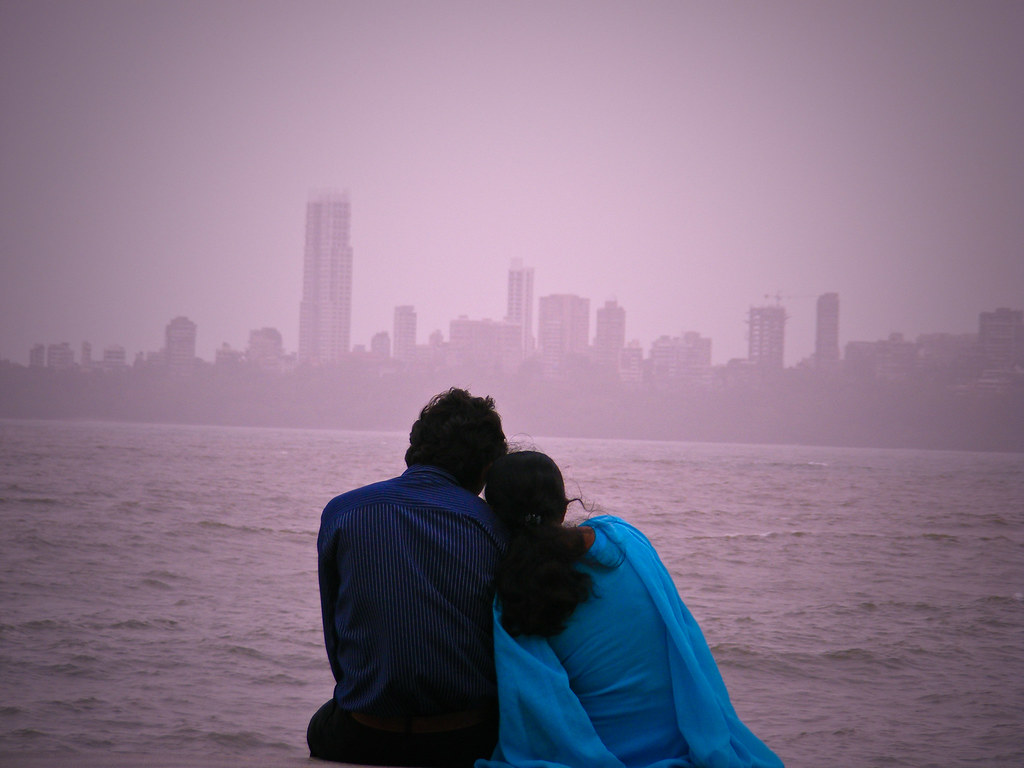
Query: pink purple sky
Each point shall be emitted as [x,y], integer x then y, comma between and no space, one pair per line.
[685,158]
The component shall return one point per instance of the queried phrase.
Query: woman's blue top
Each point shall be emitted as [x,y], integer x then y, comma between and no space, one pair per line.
[629,683]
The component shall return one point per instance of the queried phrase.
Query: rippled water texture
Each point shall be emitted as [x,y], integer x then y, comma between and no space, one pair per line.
[158,587]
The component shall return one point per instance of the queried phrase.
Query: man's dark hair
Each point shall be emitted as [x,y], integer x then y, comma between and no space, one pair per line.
[458,433]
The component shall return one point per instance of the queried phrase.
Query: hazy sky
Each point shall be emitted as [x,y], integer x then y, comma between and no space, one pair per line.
[685,158]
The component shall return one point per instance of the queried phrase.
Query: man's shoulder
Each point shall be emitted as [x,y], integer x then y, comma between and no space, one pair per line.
[418,487]
[364,495]
[421,489]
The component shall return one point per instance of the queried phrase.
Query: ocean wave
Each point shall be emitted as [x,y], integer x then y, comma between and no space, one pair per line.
[155,583]
[42,500]
[46,624]
[767,535]
[161,574]
[70,669]
[948,537]
[850,654]
[144,624]
[279,678]
[246,740]
[237,742]
[244,650]
[218,525]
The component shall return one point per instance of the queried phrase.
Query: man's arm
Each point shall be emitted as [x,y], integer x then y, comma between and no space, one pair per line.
[327,571]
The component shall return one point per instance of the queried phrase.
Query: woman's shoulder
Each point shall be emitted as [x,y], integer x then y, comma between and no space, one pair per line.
[614,527]
[613,538]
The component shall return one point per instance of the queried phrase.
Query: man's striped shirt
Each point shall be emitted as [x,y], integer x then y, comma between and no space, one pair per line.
[406,572]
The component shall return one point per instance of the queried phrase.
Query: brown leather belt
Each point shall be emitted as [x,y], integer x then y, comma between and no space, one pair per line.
[450,721]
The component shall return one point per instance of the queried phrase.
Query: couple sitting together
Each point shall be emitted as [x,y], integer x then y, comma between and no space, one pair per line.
[466,633]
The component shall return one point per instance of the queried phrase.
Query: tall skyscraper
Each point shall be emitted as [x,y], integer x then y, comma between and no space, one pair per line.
[610,334]
[325,314]
[826,340]
[405,334]
[520,302]
[563,331]
[767,337]
[180,345]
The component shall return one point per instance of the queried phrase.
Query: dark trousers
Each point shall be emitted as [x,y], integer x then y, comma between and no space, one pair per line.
[334,735]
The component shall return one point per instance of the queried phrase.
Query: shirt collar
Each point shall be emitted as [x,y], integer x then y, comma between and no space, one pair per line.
[430,469]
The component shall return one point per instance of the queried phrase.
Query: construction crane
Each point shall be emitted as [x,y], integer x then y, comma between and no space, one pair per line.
[779,297]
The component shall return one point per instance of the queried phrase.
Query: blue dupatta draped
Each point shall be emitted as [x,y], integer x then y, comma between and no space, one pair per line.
[544,725]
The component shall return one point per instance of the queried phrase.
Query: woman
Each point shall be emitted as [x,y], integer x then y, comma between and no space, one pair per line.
[600,665]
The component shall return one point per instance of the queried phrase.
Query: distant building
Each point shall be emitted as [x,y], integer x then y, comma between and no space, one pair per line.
[485,345]
[684,359]
[631,363]
[1001,338]
[60,357]
[380,346]
[405,334]
[826,339]
[609,335]
[37,356]
[894,359]
[325,313]
[949,357]
[767,337]
[563,331]
[266,348]
[86,356]
[180,345]
[437,349]
[114,358]
[520,303]
[226,356]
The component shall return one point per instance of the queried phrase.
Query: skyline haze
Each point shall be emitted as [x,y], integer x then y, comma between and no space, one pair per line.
[689,161]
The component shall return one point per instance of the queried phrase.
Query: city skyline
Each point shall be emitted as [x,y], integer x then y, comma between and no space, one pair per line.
[688,160]
[566,322]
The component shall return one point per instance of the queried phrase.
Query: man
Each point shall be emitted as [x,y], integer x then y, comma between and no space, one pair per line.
[406,584]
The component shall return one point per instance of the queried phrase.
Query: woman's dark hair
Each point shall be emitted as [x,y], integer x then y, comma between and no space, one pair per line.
[537,583]
[458,433]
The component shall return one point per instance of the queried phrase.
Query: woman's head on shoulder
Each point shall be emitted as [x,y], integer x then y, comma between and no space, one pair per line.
[537,581]
[525,489]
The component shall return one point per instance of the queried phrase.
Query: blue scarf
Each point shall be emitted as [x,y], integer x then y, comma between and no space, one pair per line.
[544,725]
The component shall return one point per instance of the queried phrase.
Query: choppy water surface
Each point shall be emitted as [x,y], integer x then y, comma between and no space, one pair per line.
[158,590]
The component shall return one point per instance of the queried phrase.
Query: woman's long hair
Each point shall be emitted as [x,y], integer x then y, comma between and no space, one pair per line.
[537,583]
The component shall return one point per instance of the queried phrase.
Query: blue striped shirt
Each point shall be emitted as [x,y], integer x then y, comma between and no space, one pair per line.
[406,572]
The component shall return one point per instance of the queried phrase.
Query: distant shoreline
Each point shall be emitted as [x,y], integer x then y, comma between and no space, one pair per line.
[794,410]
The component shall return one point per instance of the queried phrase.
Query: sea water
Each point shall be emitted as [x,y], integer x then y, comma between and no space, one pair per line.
[158,589]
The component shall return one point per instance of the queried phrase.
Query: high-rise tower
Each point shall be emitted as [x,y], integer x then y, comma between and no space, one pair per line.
[325,315]
[1001,338]
[610,336]
[180,345]
[826,340]
[767,337]
[520,302]
[405,333]
[563,329]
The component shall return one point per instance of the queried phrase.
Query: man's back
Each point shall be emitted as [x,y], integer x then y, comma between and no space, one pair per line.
[406,569]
